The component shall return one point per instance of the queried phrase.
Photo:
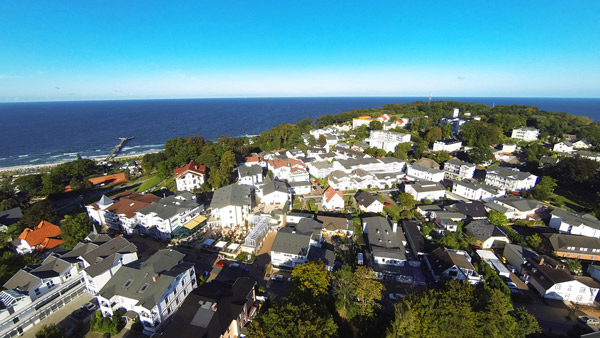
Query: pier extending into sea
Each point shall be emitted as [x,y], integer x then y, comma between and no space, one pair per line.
[118,147]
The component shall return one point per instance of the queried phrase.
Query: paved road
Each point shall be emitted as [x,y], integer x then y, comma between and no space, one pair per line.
[60,316]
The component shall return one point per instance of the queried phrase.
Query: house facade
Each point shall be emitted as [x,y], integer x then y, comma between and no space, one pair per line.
[333,199]
[161,218]
[190,176]
[510,179]
[250,175]
[451,264]
[367,202]
[387,140]
[42,237]
[231,205]
[424,173]
[568,222]
[425,190]
[449,145]
[526,134]
[476,191]
[457,169]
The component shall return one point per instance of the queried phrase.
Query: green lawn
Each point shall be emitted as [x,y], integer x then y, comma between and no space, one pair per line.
[393,209]
[149,183]
[297,205]
[311,205]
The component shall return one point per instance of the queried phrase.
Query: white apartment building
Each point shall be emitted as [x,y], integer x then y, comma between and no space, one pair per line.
[456,168]
[526,134]
[449,145]
[510,179]
[424,173]
[231,205]
[387,140]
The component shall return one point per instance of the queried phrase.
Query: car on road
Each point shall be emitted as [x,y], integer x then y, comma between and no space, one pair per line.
[220,264]
[589,320]
[89,307]
[395,296]
[511,285]
[277,277]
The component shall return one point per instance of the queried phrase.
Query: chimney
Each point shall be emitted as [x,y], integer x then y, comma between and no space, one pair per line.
[395,227]
[155,278]
[214,307]
[542,261]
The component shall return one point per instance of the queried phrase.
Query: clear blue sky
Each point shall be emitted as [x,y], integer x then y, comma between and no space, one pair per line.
[73,50]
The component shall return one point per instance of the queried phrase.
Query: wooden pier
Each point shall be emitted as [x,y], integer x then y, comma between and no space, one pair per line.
[118,147]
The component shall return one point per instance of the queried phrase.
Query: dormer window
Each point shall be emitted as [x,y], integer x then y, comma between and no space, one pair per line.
[128,283]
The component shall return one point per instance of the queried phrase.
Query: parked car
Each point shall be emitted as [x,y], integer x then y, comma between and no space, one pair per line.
[277,277]
[89,307]
[589,320]
[511,285]
[220,264]
[234,266]
[396,296]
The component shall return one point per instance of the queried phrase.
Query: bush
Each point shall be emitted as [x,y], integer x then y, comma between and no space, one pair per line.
[50,331]
[111,325]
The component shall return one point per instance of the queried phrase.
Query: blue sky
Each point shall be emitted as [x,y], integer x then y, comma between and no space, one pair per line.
[73,50]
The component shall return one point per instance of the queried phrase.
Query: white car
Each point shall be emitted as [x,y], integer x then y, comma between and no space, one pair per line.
[90,307]
[589,320]
[277,277]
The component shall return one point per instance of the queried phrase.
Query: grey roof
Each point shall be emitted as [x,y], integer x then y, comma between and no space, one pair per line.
[415,239]
[423,168]
[129,279]
[388,160]
[473,209]
[441,260]
[353,162]
[252,170]
[484,229]
[275,186]
[562,242]
[496,206]
[291,243]
[27,278]
[233,194]
[521,251]
[364,198]
[458,162]
[576,219]
[305,226]
[519,203]
[169,207]
[195,318]
[299,183]
[509,173]
[79,250]
[361,144]
[477,186]
[424,186]
[103,257]
[105,201]
[322,165]
[382,240]
[326,256]
[11,216]
[549,160]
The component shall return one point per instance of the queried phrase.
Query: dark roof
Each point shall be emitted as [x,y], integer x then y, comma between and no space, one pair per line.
[441,260]
[547,271]
[484,229]
[326,256]
[250,171]
[562,242]
[519,203]
[472,209]
[364,198]
[336,223]
[233,194]
[291,243]
[10,216]
[383,241]
[275,186]
[197,318]
[574,219]
[521,251]
[103,257]
[415,239]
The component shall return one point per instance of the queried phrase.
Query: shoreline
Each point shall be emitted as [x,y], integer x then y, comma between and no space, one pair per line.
[35,168]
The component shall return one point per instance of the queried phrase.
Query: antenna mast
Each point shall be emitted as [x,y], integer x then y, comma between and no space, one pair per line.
[429,102]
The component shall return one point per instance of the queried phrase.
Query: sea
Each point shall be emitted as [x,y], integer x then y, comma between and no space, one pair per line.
[36,133]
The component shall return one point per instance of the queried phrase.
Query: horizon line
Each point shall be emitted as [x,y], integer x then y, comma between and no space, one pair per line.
[294,97]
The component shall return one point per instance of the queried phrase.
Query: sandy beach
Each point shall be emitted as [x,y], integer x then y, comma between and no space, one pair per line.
[28,169]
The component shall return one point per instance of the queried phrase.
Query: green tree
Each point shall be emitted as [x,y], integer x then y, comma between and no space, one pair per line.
[544,189]
[497,217]
[446,130]
[32,184]
[367,291]
[402,150]
[74,229]
[51,331]
[322,139]
[342,283]
[310,279]
[40,211]
[480,155]
[434,134]
[375,125]
[480,134]
[406,200]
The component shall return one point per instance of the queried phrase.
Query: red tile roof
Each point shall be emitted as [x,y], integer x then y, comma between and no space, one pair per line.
[44,231]
[106,180]
[194,167]
[288,162]
[330,193]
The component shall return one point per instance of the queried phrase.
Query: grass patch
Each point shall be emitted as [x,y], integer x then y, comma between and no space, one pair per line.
[170,184]
[297,205]
[571,200]
[323,181]
[311,205]
[149,183]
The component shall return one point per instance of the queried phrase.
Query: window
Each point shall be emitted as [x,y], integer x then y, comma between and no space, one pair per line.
[183,282]
[569,288]
[557,286]
[128,283]
[37,292]
[582,290]
[579,298]
[144,287]
[68,275]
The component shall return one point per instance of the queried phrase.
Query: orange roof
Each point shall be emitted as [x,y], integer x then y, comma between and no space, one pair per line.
[42,232]
[50,243]
[288,162]
[193,167]
[106,180]
[128,207]
[330,193]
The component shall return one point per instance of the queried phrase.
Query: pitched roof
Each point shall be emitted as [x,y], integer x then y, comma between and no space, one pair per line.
[424,186]
[10,216]
[364,198]
[427,162]
[484,230]
[40,234]
[330,193]
[572,243]
[519,203]
[275,186]
[509,173]
[199,169]
[336,223]
[423,168]
[547,271]
[472,209]
[291,243]
[383,240]
[287,162]
[102,257]
[252,170]
[233,194]
[324,255]
[574,219]
[415,239]
[441,260]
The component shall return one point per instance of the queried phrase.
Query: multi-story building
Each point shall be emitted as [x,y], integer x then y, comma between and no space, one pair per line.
[231,205]
[161,218]
[425,190]
[573,246]
[526,134]
[449,145]
[456,168]
[250,175]
[510,179]
[387,140]
[190,176]
[575,224]
[118,211]
[476,191]
[154,289]
[424,173]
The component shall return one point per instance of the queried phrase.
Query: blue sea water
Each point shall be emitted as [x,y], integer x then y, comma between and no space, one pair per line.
[50,132]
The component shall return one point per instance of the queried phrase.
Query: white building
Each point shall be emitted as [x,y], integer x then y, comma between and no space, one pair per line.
[492,260]
[510,179]
[190,177]
[300,188]
[425,190]
[564,147]
[119,211]
[456,168]
[386,243]
[288,169]
[387,140]
[161,218]
[582,144]
[516,207]
[449,145]
[424,173]
[320,169]
[250,175]
[333,199]
[362,121]
[554,281]
[367,202]
[575,224]
[274,192]
[153,289]
[526,134]
[476,191]
[293,243]
[231,205]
